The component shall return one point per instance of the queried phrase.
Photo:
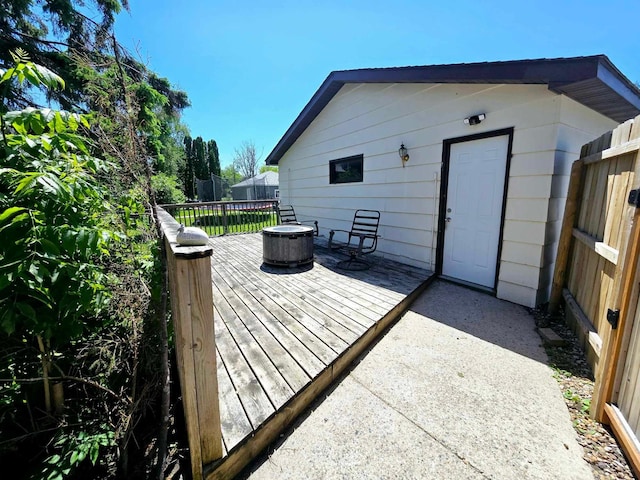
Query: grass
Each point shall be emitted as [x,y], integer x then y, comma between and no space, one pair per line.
[213,222]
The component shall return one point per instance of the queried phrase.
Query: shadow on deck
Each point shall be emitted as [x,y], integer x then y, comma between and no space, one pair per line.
[283,335]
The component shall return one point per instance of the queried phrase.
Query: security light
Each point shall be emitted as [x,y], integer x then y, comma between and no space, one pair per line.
[475,119]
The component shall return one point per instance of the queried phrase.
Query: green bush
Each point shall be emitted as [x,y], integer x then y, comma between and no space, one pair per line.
[166,189]
[57,228]
[54,219]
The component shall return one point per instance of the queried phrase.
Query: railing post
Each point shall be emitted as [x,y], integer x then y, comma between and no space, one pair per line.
[225,227]
[189,270]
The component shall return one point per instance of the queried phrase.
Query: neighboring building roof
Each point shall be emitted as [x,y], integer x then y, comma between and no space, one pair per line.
[266,179]
[592,81]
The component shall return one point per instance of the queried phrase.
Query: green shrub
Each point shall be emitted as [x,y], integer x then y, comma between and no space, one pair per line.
[57,227]
[54,219]
[166,189]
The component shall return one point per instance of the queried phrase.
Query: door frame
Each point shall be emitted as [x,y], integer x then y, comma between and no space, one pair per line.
[444,186]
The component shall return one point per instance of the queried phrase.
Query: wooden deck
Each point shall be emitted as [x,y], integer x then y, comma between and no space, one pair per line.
[283,334]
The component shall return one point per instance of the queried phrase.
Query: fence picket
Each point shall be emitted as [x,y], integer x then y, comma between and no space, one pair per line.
[596,281]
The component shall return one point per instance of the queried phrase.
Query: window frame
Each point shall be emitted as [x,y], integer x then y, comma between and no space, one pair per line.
[333,174]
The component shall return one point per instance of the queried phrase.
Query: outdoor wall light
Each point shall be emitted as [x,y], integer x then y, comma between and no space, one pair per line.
[404,155]
[474,119]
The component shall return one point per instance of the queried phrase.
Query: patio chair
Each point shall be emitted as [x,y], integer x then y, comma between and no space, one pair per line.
[287,215]
[362,239]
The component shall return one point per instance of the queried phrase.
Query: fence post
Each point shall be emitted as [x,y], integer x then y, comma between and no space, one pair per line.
[190,287]
[564,243]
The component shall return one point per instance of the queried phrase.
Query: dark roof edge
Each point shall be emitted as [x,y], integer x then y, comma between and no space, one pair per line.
[323,95]
[514,71]
[555,73]
[618,82]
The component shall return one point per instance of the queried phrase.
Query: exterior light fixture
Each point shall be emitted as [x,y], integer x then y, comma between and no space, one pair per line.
[475,119]
[404,154]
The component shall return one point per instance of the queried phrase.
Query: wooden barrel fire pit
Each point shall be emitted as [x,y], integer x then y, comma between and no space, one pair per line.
[287,245]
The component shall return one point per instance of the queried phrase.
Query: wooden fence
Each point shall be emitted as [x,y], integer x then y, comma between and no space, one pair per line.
[596,275]
[189,270]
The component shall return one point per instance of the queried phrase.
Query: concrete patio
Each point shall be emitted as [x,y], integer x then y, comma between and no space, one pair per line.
[458,388]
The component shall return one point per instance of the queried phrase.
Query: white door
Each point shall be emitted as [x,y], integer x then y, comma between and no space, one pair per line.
[474,209]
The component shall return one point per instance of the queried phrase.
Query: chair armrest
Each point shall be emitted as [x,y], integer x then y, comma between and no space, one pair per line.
[332,233]
[364,235]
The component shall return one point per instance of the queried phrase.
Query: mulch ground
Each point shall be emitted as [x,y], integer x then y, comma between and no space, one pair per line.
[575,378]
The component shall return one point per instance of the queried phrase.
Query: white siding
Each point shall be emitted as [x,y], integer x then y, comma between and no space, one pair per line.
[374,119]
[577,125]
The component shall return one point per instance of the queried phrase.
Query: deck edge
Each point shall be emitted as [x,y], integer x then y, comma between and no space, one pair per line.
[242,454]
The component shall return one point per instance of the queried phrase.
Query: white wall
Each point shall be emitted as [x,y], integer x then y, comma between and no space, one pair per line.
[577,125]
[374,119]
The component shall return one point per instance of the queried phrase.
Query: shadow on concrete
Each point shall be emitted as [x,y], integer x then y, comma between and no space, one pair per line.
[483,316]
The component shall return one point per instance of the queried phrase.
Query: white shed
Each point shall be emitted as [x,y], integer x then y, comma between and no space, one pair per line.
[481,197]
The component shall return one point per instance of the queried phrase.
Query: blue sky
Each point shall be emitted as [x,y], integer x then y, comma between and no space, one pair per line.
[249,67]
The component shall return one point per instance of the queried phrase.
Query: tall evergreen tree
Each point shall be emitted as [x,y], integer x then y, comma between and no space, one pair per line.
[48,31]
[213,158]
[189,176]
[200,165]
[202,160]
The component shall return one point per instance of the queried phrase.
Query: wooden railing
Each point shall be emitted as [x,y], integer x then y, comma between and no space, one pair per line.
[189,272]
[221,218]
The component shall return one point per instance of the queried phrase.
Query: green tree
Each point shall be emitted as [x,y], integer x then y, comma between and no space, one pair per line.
[200,164]
[136,128]
[59,36]
[202,161]
[230,176]
[189,170]
[173,159]
[166,189]
[269,168]
[57,225]
[213,157]
[47,31]
[53,217]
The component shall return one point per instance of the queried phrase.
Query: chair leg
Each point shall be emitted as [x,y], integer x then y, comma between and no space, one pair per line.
[354,263]
[360,245]
[331,234]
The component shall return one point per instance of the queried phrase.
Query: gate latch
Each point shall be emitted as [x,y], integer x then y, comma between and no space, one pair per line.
[634,198]
[613,316]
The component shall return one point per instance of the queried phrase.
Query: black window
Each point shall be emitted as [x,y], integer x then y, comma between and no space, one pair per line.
[346,170]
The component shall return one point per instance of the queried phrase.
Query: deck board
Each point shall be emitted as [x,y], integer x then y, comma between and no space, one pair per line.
[252,347]
[262,308]
[322,342]
[265,332]
[280,329]
[235,423]
[254,400]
